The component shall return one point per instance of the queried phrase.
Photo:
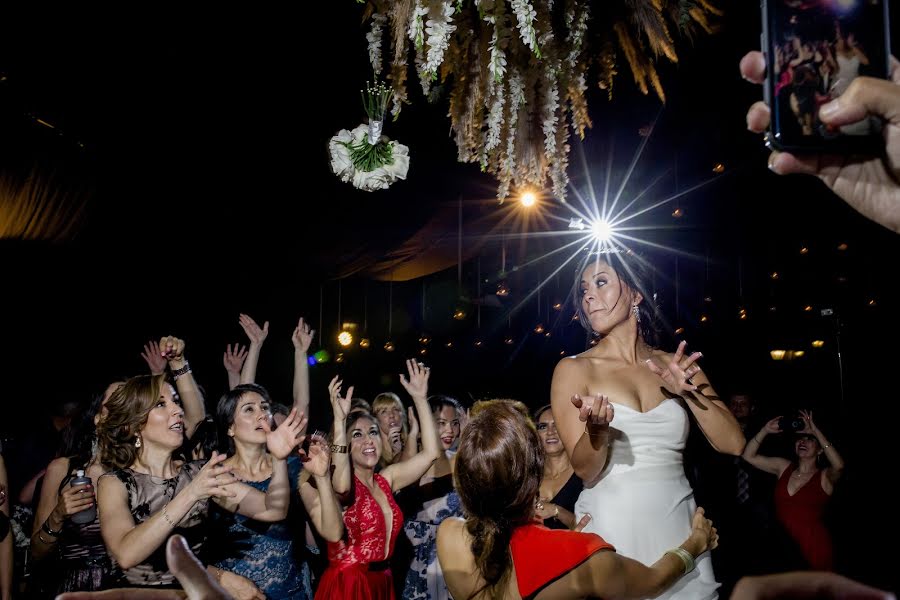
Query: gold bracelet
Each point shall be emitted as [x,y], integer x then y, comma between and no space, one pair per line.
[686,558]
[339,449]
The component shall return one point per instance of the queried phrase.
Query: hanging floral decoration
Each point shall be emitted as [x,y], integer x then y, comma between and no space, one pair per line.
[517,71]
[365,157]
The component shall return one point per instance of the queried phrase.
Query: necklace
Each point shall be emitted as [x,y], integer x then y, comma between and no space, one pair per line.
[799,473]
[556,475]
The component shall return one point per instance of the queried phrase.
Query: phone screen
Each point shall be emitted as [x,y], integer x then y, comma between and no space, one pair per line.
[814,51]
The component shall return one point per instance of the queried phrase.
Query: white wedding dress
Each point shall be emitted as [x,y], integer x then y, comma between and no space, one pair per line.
[643,504]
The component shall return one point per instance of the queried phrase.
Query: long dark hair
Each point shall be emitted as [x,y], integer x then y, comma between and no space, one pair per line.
[499,467]
[225,411]
[632,271]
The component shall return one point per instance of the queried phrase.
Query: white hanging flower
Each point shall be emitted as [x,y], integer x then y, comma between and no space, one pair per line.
[551,103]
[424,78]
[380,178]
[498,44]
[577,24]
[417,25]
[495,119]
[525,14]
[438,28]
[374,39]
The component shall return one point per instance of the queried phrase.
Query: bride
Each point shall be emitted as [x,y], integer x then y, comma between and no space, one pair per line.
[626,432]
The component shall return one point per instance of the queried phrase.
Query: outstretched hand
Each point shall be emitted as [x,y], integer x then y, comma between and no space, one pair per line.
[339,404]
[287,436]
[234,358]
[154,358]
[417,384]
[676,376]
[302,337]
[254,333]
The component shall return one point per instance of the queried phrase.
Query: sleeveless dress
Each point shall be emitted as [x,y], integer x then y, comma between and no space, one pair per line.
[84,564]
[801,515]
[148,495]
[264,553]
[358,565]
[565,498]
[433,503]
[643,503]
[540,555]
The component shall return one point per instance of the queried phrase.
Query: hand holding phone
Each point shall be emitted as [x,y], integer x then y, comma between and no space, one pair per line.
[868,183]
[814,51]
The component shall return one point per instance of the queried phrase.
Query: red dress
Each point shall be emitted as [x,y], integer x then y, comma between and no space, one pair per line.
[541,555]
[358,564]
[801,516]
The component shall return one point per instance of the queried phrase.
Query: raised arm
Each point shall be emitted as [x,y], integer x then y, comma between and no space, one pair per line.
[582,420]
[321,502]
[835,461]
[256,336]
[341,478]
[681,376]
[129,543]
[406,472]
[301,338]
[172,349]
[770,464]
[233,359]
[271,505]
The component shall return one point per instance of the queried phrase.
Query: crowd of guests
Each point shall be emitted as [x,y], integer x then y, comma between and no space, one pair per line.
[586,496]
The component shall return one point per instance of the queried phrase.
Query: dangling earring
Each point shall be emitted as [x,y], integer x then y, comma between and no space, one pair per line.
[95,446]
[137,442]
[637,313]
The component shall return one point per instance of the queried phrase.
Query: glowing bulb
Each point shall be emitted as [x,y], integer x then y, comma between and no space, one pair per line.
[459,314]
[528,199]
[345,338]
[777,354]
[364,343]
[818,343]
[601,230]
[389,346]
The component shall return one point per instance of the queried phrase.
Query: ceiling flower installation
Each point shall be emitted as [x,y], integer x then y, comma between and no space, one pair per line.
[517,71]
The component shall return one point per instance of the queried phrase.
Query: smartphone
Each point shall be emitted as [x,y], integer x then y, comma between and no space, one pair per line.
[814,49]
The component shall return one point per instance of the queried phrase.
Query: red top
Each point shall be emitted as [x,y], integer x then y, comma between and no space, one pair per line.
[365,529]
[541,555]
[801,516]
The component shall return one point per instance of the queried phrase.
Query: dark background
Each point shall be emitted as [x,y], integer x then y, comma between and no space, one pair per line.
[197,136]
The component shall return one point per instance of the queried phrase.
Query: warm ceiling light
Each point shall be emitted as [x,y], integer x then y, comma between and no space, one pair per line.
[818,343]
[777,354]
[842,247]
[364,343]
[679,331]
[774,275]
[345,338]
[459,314]
[718,168]
[704,318]
[678,213]
[389,346]
[807,308]
[528,199]
[502,290]
[508,341]
[804,250]
[539,328]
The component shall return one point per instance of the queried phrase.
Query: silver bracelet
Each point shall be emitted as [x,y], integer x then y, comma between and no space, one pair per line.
[168,519]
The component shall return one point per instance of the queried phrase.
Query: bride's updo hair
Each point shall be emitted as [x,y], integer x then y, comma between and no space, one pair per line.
[499,467]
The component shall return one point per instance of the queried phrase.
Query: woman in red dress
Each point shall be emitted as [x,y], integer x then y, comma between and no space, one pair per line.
[803,489]
[502,551]
[359,563]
